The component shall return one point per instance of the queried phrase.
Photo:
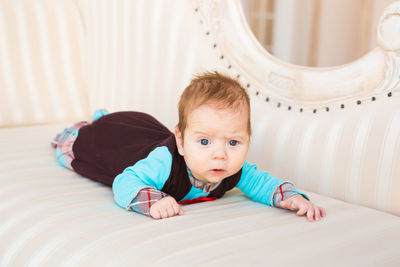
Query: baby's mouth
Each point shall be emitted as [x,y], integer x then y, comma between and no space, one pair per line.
[217,171]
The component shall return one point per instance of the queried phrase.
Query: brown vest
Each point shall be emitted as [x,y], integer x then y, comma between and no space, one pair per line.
[116,141]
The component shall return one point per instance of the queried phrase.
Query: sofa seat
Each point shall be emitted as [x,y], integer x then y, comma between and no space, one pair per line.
[51,216]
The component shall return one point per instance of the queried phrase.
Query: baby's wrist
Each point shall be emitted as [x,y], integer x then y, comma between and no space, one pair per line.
[283,192]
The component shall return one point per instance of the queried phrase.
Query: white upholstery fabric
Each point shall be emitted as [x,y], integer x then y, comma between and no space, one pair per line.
[49,216]
[351,154]
[142,54]
[41,62]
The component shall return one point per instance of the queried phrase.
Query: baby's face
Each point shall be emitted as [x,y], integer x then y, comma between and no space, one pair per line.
[215,143]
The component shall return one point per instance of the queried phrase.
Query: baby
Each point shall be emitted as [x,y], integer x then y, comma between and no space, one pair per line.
[152,170]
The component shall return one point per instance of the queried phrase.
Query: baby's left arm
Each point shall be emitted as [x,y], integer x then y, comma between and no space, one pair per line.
[303,207]
[260,186]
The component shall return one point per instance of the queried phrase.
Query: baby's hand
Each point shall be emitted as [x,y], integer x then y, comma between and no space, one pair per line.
[304,207]
[165,208]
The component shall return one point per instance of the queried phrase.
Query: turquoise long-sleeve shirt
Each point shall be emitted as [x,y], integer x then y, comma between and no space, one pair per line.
[154,171]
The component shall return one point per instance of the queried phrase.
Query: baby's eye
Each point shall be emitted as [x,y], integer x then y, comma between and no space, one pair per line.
[233,142]
[204,142]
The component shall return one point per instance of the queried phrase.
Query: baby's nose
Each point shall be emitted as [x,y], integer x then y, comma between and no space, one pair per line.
[220,152]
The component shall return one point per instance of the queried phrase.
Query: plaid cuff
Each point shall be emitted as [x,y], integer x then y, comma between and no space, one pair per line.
[145,199]
[283,192]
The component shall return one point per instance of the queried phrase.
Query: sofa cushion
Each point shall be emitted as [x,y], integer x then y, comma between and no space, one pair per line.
[50,215]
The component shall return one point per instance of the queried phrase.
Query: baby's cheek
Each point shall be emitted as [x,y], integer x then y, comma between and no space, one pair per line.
[238,161]
[236,165]
[195,161]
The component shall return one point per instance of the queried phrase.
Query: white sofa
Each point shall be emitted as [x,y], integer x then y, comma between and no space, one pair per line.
[334,131]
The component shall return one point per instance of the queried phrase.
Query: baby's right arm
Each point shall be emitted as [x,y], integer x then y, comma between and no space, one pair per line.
[152,172]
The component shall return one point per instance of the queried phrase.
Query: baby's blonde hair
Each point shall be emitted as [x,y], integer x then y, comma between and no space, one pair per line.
[216,90]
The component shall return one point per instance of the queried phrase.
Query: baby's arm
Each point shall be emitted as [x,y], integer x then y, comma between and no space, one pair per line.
[265,188]
[138,187]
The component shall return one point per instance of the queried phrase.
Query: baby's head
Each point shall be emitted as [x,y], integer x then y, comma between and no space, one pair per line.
[213,133]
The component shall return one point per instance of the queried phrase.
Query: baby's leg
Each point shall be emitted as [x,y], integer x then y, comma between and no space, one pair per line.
[99,113]
[63,143]
[64,140]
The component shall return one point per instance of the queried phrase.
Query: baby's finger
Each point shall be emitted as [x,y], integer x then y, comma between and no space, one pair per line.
[310,214]
[175,208]
[155,214]
[180,211]
[164,213]
[323,212]
[302,211]
[170,211]
[317,214]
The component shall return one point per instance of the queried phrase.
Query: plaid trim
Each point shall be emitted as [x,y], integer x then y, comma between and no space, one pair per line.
[283,192]
[146,198]
[207,187]
[63,143]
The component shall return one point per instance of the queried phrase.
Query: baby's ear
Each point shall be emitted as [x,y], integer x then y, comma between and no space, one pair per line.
[179,140]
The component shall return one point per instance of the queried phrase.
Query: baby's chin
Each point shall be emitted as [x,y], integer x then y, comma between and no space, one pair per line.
[215,179]
[208,177]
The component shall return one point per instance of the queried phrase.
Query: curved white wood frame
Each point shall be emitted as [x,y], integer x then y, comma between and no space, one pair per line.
[375,73]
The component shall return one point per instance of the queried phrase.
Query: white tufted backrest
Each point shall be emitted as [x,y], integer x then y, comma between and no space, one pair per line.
[142,54]
[41,62]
